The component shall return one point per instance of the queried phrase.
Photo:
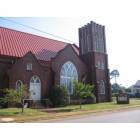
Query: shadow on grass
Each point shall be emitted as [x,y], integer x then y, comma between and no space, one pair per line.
[9,113]
[16,113]
[60,110]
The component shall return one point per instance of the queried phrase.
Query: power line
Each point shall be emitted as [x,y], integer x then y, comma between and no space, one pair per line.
[27,26]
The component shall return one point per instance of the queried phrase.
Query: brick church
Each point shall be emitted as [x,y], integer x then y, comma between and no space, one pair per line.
[40,63]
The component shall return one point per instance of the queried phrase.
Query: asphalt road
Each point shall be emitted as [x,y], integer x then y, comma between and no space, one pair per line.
[126,116]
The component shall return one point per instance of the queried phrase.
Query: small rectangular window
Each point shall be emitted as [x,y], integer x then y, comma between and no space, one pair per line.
[29,67]
[100,65]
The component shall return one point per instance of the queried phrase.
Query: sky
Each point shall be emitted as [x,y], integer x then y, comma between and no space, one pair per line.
[121,19]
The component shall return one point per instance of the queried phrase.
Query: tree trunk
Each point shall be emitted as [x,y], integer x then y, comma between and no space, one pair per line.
[115,80]
[22,104]
[22,108]
[80,103]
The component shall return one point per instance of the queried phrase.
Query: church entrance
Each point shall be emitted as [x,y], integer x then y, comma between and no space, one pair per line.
[35,88]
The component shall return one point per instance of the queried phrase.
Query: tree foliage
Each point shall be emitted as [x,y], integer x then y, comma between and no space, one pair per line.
[16,95]
[81,91]
[59,96]
[115,88]
[128,90]
[114,74]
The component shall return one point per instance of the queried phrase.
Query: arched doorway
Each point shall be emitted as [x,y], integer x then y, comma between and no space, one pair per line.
[35,88]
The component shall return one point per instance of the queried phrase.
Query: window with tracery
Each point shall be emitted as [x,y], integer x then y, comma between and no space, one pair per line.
[67,75]
[18,84]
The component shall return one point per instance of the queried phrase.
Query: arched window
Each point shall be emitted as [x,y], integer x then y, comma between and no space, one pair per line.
[35,88]
[67,75]
[35,79]
[102,87]
[18,84]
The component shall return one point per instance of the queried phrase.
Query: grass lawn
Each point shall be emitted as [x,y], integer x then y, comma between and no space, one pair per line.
[17,112]
[101,106]
[34,114]
[28,114]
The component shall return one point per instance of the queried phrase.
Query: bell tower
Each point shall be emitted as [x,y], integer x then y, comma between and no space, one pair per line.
[93,52]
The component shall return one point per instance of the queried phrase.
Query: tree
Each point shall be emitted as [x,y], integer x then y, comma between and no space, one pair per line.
[128,90]
[81,90]
[16,96]
[115,88]
[114,74]
[59,96]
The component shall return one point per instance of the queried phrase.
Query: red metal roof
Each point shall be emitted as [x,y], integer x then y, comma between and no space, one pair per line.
[17,44]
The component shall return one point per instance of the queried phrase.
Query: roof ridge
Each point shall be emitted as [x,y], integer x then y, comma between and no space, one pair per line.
[7,28]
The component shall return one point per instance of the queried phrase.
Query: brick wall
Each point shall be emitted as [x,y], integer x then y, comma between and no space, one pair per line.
[68,54]
[19,72]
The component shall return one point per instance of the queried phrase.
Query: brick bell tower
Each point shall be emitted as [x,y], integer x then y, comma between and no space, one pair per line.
[93,52]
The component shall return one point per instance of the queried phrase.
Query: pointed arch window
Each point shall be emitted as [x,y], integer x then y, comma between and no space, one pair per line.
[18,84]
[35,79]
[102,87]
[67,75]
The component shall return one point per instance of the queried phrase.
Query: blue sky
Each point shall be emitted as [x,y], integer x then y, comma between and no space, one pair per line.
[122,45]
[63,27]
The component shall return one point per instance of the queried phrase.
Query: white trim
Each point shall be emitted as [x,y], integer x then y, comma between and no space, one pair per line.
[17,83]
[68,73]
[35,88]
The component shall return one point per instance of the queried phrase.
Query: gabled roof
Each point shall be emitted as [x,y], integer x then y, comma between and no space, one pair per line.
[17,44]
[137,84]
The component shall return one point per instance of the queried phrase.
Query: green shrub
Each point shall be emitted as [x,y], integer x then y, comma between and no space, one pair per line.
[59,96]
[13,97]
[3,104]
[89,99]
[83,91]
